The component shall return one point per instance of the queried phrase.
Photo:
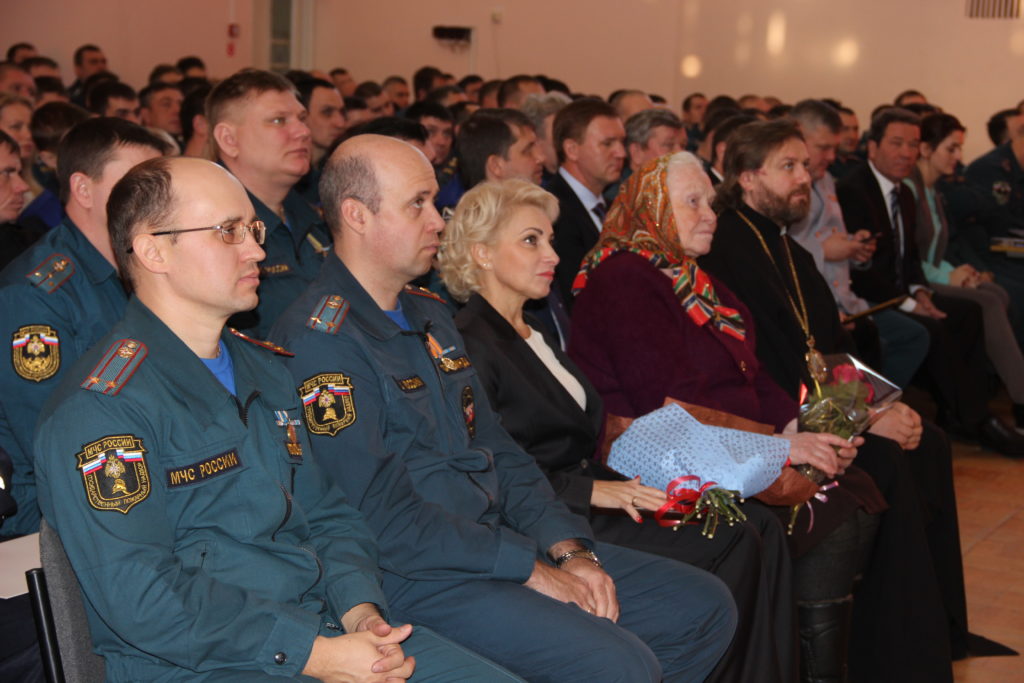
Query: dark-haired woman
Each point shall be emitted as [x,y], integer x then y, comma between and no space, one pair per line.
[942,139]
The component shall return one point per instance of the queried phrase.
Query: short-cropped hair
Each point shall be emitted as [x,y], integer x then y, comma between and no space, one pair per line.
[480,214]
[639,126]
[888,116]
[306,86]
[161,70]
[147,94]
[997,128]
[190,62]
[486,132]
[243,85]
[812,114]
[350,176]
[38,60]
[572,120]
[99,95]
[49,84]
[510,87]
[13,49]
[82,49]
[389,126]
[539,107]
[88,147]
[52,121]
[368,89]
[144,196]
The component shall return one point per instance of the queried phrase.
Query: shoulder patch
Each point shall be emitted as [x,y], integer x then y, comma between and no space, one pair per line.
[116,367]
[35,352]
[423,291]
[328,314]
[114,472]
[51,273]
[269,346]
[327,403]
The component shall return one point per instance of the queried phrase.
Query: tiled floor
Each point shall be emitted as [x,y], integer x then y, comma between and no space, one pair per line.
[990,499]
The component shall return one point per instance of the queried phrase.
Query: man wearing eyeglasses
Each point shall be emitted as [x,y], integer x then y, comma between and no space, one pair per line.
[63,293]
[176,468]
[259,129]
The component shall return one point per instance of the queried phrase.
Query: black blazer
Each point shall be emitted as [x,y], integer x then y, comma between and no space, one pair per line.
[575,235]
[535,408]
[865,208]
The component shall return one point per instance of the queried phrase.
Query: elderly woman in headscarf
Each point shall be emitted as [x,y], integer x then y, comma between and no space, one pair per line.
[496,255]
[649,325]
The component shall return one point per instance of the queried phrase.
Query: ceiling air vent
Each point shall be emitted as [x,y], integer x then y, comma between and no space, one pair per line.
[993,9]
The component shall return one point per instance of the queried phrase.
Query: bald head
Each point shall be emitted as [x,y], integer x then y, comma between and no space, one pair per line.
[150,197]
[378,197]
[352,172]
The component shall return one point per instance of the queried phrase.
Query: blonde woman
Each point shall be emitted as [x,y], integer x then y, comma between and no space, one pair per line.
[496,255]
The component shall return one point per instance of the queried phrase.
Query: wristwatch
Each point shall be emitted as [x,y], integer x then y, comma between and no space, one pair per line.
[585,553]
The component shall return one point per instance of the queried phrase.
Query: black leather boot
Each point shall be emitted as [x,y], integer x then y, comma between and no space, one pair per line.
[824,640]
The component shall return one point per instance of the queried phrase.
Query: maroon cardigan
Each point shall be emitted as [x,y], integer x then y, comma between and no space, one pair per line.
[636,343]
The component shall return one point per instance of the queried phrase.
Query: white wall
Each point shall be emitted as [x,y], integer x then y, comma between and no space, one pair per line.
[135,35]
[860,51]
[788,48]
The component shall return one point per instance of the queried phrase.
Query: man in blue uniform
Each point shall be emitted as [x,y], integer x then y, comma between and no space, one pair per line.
[63,293]
[175,467]
[260,132]
[473,541]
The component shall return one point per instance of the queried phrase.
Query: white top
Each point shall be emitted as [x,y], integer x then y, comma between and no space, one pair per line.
[540,347]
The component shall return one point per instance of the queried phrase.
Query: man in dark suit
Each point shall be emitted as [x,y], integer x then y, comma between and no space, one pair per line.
[873,197]
[590,141]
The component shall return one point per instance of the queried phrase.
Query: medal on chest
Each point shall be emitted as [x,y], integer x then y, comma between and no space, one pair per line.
[291,442]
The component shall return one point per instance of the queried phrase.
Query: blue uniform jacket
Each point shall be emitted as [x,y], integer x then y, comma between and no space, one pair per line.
[56,300]
[412,438]
[294,256]
[224,546]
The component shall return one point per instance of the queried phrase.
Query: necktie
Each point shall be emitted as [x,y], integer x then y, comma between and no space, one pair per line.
[897,228]
[600,210]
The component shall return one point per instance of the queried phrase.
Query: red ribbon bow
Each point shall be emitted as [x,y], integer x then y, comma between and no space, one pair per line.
[680,499]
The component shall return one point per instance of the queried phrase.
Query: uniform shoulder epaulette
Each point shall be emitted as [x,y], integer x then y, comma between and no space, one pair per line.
[328,314]
[51,273]
[116,367]
[269,346]
[423,291]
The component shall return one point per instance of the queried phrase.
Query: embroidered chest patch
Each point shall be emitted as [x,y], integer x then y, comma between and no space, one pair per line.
[35,352]
[327,403]
[114,472]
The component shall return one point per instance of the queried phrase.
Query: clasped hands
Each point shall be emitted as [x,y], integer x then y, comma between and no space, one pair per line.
[579,581]
[368,652]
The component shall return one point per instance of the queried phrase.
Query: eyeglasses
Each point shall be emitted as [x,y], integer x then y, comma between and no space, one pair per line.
[231,233]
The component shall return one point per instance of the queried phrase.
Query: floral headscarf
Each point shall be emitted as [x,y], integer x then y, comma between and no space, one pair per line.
[641,221]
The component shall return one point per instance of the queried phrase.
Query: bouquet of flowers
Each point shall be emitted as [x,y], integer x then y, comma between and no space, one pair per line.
[846,397]
[702,468]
